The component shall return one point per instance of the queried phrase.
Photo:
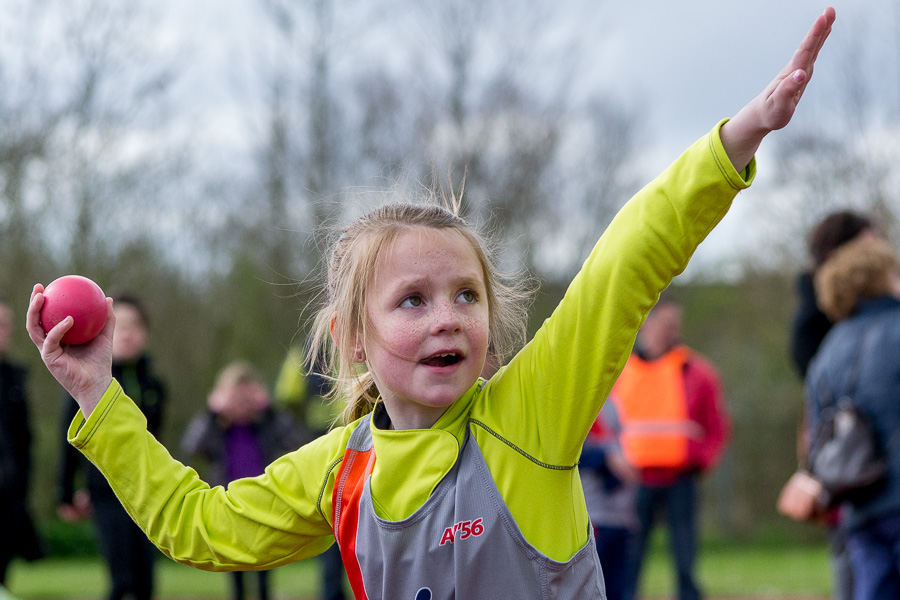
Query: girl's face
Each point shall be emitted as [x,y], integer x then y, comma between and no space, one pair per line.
[428,325]
[130,336]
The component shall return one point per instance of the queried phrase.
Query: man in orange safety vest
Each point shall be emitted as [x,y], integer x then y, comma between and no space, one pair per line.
[674,427]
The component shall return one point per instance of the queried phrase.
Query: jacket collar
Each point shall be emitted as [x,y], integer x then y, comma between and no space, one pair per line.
[876,304]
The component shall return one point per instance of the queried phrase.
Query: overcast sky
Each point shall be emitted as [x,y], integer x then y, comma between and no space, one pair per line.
[689,63]
[696,61]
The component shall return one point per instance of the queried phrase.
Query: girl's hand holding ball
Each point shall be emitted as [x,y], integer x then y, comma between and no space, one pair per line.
[80,298]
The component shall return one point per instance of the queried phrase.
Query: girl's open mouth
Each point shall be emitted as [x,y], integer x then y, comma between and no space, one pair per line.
[442,360]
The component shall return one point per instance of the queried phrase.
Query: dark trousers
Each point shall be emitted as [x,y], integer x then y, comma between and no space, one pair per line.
[5,559]
[18,536]
[332,574]
[679,501]
[875,555]
[128,553]
[237,585]
[841,568]
[613,545]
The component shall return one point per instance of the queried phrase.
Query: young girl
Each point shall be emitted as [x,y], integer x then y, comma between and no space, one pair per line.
[451,486]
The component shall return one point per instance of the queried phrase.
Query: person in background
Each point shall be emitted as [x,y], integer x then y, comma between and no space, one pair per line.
[810,326]
[237,436]
[858,287]
[610,487]
[18,536]
[129,555]
[674,428]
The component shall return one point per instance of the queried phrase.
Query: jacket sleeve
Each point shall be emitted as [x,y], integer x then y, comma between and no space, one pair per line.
[707,409]
[546,398]
[256,523]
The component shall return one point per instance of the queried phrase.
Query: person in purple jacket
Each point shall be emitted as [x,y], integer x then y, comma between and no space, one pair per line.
[237,436]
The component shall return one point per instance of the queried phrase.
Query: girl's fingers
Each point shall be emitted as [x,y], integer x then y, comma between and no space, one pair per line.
[33,316]
[794,84]
[37,289]
[55,335]
[815,39]
[805,56]
[784,93]
[110,317]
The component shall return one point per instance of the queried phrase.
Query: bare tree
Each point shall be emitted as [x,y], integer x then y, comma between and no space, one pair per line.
[78,136]
[438,90]
[513,122]
[306,135]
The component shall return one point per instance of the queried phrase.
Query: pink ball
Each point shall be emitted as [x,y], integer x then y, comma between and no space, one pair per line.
[80,298]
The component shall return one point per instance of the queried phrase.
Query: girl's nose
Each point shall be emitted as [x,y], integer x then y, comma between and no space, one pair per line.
[445,317]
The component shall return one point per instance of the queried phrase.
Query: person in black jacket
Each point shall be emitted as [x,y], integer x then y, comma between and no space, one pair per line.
[128,553]
[17,533]
[810,324]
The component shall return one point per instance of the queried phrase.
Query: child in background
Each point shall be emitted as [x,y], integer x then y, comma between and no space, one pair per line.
[444,485]
[610,486]
[238,436]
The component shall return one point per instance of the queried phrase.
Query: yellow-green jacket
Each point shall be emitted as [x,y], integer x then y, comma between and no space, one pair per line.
[529,419]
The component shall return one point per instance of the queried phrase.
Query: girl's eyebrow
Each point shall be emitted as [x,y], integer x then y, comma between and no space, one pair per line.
[471,279]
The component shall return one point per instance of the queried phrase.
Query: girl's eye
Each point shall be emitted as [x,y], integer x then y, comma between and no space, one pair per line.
[468,297]
[411,302]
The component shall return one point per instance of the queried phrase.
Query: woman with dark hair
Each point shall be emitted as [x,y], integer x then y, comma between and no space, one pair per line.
[810,323]
[810,326]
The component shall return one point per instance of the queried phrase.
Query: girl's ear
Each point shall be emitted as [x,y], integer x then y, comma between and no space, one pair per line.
[359,353]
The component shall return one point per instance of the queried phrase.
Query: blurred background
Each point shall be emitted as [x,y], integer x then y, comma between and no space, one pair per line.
[195,154]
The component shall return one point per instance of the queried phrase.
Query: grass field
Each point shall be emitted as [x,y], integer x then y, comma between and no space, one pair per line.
[727,571]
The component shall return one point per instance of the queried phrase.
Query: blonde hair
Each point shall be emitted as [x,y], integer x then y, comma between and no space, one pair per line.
[862,268]
[352,263]
[237,373]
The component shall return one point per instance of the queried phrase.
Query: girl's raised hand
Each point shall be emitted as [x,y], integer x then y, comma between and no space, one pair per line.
[85,370]
[774,107]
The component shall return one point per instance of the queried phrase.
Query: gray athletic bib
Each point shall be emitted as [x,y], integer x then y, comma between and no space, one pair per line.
[462,543]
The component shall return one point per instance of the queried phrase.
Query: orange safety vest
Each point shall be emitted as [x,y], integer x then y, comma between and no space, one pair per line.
[653,410]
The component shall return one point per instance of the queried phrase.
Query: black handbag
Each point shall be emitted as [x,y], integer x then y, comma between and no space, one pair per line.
[844,454]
